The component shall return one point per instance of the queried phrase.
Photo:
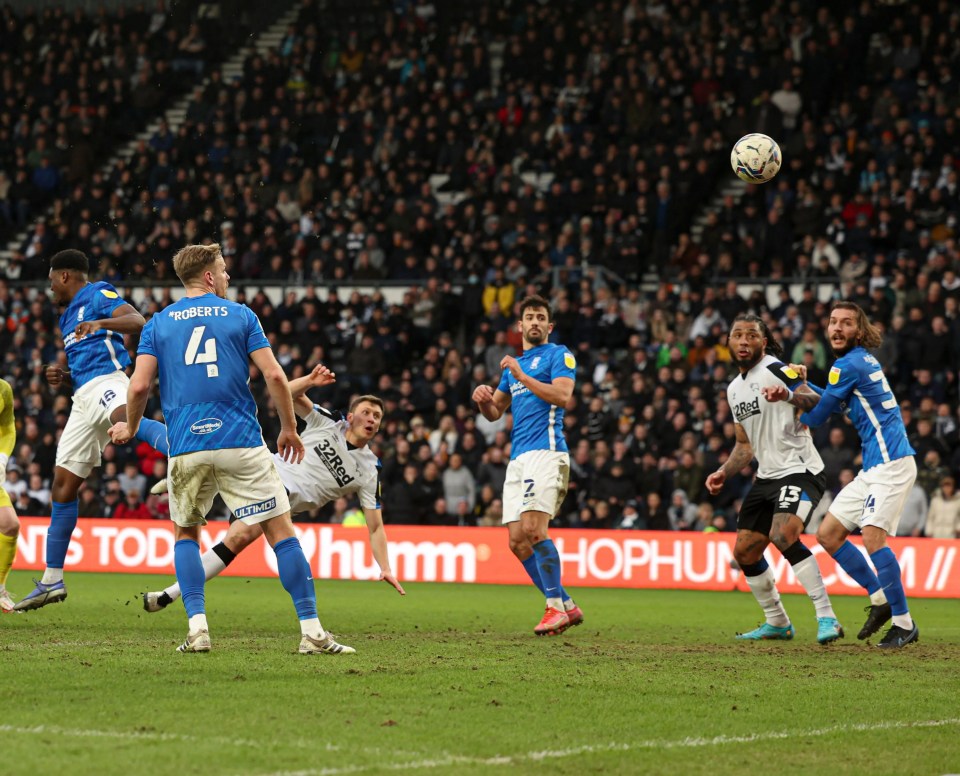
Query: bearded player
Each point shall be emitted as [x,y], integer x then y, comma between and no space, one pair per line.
[789,483]
[538,385]
[874,500]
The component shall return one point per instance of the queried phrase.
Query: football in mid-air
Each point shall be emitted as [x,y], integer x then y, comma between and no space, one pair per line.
[755,158]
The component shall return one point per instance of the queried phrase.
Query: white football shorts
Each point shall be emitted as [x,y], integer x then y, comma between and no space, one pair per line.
[536,482]
[876,496]
[245,478]
[81,445]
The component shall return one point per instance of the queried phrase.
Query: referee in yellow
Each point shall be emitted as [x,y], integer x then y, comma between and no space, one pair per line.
[9,524]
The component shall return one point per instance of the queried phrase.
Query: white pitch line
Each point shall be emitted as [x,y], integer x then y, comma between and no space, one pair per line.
[148,735]
[445,761]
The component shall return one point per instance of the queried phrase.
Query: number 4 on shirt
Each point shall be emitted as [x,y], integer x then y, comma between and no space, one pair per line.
[209,354]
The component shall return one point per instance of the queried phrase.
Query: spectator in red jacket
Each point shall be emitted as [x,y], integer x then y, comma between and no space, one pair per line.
[132,508]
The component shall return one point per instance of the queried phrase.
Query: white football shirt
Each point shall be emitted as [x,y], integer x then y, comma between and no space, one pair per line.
[331,467]
[781,444]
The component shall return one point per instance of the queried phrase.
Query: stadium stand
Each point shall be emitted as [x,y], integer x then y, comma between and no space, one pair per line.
[392,178]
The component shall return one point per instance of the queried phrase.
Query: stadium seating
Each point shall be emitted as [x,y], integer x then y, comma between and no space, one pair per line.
[392,178]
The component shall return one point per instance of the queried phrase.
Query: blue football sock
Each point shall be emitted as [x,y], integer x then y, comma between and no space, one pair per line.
[852,561]
[295,577]
[63,519]
[154,434]
[548,564]
[190,575]
[888,570]
[530,566]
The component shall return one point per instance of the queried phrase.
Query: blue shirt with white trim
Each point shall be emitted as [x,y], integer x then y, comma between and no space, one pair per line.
[100,353]
[856,382]
[202,345]
[538,424]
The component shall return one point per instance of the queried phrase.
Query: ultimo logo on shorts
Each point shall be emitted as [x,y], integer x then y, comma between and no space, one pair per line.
[256,509]
[206,426]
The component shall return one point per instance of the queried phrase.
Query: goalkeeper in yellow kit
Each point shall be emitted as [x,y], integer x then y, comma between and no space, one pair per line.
[9,524]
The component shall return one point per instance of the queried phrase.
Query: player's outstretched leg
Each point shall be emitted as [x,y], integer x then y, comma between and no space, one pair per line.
[186,561]
[555,618]
[154,434]
[215,560]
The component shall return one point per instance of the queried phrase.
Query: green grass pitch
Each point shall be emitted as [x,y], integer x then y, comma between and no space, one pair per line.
[451,679]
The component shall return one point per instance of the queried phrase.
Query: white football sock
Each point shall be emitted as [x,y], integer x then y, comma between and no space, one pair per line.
[808,574]
[764,589]
[197,622]
[904,621]
[312,627]
[51,576]
[212,565]
[556,603]
[878,598]
[569,604]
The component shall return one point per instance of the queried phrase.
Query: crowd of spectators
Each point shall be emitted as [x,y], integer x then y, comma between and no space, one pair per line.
[74,85]
[568,135]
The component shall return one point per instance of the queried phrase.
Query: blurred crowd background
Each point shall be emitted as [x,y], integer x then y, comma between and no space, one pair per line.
[392,177]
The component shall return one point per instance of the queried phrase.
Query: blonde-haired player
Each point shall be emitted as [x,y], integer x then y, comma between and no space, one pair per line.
[9,523]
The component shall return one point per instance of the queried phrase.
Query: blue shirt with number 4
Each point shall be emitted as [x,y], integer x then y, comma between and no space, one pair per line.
[538,424]
[202,345]
[856,380]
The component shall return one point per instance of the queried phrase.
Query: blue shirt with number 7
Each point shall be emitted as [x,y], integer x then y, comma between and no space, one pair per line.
[856,382]
[202,345]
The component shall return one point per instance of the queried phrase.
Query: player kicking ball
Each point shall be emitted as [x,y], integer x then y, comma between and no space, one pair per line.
[338,463]
[874,500]
[200,348]
[538,384]
[789,483]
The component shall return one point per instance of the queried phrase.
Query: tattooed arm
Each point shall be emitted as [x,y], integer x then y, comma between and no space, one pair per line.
[803,397]
[740,456]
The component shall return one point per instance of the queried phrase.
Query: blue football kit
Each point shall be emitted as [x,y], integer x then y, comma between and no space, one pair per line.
[535,484]
[538,424]
[202,345]
[102,352]
[856,382]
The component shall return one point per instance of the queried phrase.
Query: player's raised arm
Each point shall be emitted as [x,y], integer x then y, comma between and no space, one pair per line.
[840,384]
[803,397]
[739,457]
[289,445]
[492,403]
[319,376]
[124,320]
